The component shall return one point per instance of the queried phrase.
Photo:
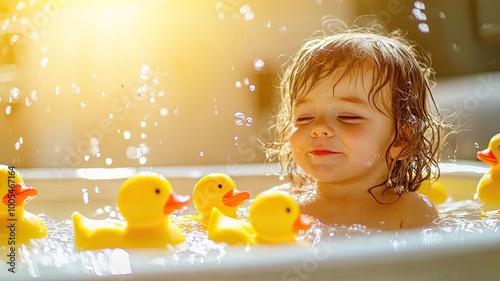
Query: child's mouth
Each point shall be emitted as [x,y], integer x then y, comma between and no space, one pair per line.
[321,152]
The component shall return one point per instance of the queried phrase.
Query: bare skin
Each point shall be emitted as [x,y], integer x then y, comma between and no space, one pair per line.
[412,210]
[340,139]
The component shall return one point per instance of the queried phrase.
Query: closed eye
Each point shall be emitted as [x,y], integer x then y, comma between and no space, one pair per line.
[303,119]
[349,119]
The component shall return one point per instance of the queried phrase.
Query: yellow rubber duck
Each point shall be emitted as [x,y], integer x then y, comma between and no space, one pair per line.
[273,218]
[217,190]
[145,200]
[17,226]
[488,187]
[434,190]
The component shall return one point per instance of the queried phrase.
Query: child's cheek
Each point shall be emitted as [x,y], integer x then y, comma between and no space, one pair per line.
[363,154]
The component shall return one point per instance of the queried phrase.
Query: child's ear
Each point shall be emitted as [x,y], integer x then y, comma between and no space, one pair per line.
[400,143]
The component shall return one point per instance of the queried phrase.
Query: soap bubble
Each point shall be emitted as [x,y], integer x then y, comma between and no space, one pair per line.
[239,118]
[14,93]
[476,145]
[34,95]
[8,109]
[251,87]
[238,84]
[258,64]
[44,62]
[145,73]
[163,111]
[126,135]
[108,161]
[248,121]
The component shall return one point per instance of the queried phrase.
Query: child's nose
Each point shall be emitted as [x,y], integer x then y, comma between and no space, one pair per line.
[322,128]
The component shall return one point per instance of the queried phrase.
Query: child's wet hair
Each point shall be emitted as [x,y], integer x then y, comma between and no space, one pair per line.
[398,65]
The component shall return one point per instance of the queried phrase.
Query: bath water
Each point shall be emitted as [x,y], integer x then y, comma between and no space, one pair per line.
[57,252]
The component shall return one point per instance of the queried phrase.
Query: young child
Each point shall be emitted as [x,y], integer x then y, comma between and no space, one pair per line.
[355,131]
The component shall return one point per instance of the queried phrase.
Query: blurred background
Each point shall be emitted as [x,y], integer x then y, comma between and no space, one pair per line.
[108,83]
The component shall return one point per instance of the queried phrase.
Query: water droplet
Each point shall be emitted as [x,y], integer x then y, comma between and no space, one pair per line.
[17,145]
[419,5]
[143,136]
[442,15]
[85,194]
[14,93]
[455,47]
[268,24]
[202,153]
[132,152]
[423,27]
[238,84]
[236,137]
[145,72]
[43,62]
[244,9]
[249,121]
[143,124]
[246,81]
[249,15]
[163,111]
[94,142]
[143,148]
[476,145]
[108,161]
[96,189]
[126,135]
[258,64]
[161,93]
[282,28]
[58,90]
[34,95]
[239,118]
[95,151]
[8,109]
[251,87]
[21,140]
[75,88]
[110,116]
[86,158]
[20,5]
[143,160]
[83,104]
[27,101]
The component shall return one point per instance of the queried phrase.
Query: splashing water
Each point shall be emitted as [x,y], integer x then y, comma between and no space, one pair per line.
[56,252]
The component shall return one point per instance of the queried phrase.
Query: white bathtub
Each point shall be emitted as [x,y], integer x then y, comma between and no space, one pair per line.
[413,255]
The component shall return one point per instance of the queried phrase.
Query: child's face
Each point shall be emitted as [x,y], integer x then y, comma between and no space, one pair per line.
[338,137]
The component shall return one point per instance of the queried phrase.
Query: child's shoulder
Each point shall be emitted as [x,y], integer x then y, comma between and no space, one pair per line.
[417,210]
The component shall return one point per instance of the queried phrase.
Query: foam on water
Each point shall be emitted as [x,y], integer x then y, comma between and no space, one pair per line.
[57,252]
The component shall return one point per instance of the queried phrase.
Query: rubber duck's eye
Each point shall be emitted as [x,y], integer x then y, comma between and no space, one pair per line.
[157,191]
[220,185]
[288,210]
[499,147]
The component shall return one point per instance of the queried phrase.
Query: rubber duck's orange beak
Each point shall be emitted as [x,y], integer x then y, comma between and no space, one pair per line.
[21,194]
[487,157]
[176,202]
[234,198]
[303,222]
